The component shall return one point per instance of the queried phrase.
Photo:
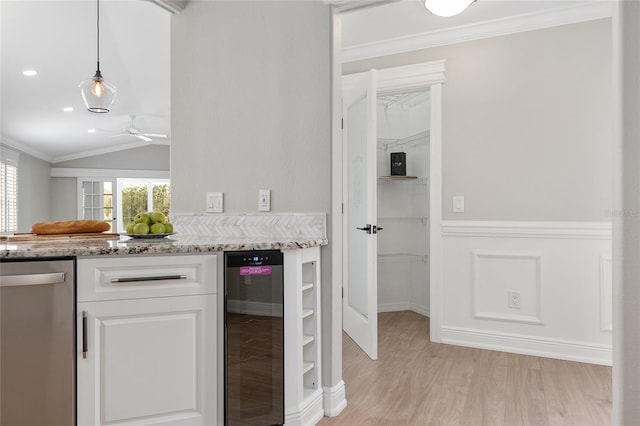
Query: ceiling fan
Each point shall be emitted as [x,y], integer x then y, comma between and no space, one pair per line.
[135,132]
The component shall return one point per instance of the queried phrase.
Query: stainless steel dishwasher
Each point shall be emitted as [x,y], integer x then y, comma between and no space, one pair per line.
[37,337]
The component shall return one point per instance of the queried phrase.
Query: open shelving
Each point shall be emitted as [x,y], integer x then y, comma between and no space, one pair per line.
[303,396]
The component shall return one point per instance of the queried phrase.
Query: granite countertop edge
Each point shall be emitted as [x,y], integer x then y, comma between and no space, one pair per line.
[127,246]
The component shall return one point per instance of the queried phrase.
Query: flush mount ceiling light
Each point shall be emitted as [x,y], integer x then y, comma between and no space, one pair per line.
[447,8]
[97,94]
[29,73]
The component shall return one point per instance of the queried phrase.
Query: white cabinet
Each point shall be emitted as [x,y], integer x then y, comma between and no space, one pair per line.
[303,390]
[147,340]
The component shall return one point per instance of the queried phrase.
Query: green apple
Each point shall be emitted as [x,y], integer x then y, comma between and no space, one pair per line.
[141,228]
[142,218]
[157,228]
[168,228]
[129,228]
[157,217]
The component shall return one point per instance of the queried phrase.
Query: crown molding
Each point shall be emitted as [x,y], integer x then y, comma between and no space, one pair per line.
[173,6]
[107,150]
[344,6]
[26,149]
[481,30]
[71,172]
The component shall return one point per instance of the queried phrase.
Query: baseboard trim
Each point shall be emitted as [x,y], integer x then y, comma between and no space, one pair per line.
[309,412]
[335,399]
[527,345]
[401,306]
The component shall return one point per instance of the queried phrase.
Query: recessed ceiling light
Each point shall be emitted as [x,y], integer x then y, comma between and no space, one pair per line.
[29,73]
[91,130]
[68,109]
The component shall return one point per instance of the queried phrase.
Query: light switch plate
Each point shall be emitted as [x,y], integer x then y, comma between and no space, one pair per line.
[264,200]
[215,202]
[458,204]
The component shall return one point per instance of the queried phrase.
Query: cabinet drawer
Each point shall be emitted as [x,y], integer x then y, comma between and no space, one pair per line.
[124,277]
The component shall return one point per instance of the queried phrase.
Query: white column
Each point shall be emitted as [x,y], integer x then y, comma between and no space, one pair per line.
[626,364]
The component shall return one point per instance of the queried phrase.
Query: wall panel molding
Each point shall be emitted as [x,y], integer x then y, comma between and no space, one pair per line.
[562,272]
[606,293]
[530,311]
[502,229]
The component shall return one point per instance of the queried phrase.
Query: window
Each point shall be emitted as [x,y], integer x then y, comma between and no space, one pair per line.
[8,190]
[142,195]
[97,200]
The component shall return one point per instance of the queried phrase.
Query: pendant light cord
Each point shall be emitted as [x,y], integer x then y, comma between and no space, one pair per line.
[98,31]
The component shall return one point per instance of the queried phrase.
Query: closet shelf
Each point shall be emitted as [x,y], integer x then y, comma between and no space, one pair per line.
[402,257]
[412,140]
[404,179]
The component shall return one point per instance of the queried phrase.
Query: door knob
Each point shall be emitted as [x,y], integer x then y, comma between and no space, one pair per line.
[366,228]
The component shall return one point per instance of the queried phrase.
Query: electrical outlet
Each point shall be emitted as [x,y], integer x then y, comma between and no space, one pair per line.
[513,299]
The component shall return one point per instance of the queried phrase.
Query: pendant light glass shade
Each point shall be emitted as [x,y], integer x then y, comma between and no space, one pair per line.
[447,8]
[97,94]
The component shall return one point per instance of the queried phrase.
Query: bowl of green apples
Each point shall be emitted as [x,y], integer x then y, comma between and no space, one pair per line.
[149,225]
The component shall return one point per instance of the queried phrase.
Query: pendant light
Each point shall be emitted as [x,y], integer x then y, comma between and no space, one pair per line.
[97,94]
[447,8]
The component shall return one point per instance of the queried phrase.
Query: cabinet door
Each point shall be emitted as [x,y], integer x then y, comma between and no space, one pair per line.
[148,361]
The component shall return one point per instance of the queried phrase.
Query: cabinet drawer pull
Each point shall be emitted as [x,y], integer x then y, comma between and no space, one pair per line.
[84,335]
[156,278]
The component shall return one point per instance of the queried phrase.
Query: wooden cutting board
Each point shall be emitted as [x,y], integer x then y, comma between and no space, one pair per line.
[57,237]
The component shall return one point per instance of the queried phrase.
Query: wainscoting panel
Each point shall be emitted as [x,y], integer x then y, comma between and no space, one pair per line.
[606,293]
[500,275]
[560,274]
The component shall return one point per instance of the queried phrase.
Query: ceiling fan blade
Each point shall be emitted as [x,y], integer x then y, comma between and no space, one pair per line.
[155,135]
[144,138]
[118,135]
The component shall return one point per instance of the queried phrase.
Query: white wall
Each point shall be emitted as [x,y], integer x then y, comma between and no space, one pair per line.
[526,123]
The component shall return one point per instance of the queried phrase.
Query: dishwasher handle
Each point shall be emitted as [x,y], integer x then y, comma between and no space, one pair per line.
[32,279]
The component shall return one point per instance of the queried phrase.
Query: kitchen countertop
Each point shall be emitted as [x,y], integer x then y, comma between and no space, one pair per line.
[174,244]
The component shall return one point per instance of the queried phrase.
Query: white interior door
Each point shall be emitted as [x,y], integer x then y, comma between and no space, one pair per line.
[360,288]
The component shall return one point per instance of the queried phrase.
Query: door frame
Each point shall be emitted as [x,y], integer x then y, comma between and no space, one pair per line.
[426,75]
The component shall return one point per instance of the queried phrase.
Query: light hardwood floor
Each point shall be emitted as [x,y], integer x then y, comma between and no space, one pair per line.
[417,382]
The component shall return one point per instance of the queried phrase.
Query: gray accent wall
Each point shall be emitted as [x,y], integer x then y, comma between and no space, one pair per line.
[64,202]
[251,109]
[527,123]
[251,105]
[34,191]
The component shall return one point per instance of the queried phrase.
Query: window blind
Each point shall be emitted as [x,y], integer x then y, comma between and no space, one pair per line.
[8,197]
